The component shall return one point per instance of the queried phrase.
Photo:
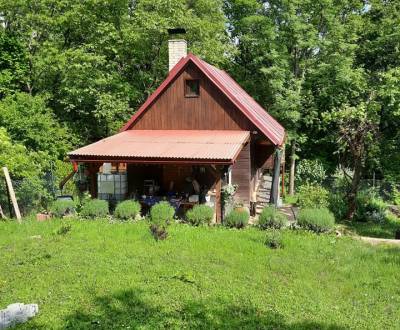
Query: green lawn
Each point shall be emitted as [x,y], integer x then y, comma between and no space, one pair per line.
[387,229]
[115,276]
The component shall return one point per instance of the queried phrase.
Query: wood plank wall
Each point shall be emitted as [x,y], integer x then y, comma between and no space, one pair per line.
[241,175]
[211,110]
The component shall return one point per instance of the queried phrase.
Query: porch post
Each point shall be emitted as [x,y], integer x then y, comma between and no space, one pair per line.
[275,177]
[218,205]
[93,169]
[218,185]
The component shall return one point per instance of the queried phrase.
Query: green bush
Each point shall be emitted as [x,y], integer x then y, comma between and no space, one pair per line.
[199,215]
[237,218]
[271,218]
[161,215]
[60,208]
[312,196]
[316,219]
[369,207]
[310,172]
[127,210]
[273,239]
[338,205]
[95,208]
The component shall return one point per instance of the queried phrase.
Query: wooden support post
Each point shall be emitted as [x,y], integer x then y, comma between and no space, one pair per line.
[218,204]
[218,185]
[12,194]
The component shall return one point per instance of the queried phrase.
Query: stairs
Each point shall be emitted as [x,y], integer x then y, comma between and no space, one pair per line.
[263,192]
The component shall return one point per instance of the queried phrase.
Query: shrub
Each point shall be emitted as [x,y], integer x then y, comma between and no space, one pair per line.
[95,208]
[60,208]
[312,196]
[369,207]
[64,229]
[200,214]
[273,240]
[161,215]
[237,218]
[271,218]
[316,219]
[127,210]
[337,205]
[310,172]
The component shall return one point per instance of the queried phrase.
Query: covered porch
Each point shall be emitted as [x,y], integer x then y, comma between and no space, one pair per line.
[185,167]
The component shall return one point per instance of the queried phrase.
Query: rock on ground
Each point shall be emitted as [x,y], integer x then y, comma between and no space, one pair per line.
[17,313]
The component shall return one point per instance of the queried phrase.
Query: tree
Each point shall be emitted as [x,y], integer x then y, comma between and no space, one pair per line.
[32,124]
[356,136]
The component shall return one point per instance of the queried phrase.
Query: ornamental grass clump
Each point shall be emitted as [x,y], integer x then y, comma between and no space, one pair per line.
[61,208]
[200,215]
[237,218]
[127,210]
[271,218]
[161,215]
[318,220]
[95,208]
[273,240]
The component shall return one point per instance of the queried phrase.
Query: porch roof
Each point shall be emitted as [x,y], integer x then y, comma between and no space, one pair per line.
[166,146]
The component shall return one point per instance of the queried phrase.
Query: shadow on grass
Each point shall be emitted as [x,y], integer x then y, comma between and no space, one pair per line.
[127,310]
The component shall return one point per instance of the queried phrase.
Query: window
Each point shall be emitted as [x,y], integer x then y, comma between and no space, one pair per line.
[192,88]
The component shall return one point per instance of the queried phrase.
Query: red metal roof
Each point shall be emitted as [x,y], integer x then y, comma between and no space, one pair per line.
[130,145]
[244,102]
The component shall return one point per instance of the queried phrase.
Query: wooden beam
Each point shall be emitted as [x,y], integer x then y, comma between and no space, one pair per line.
[218,205]
[12,194]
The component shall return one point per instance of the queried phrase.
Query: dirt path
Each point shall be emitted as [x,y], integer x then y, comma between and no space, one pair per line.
[376,241]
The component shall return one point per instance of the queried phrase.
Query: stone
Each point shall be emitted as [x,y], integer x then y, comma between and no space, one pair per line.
[17,313]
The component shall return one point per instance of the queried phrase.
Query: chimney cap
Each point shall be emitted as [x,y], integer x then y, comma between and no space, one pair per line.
[176,31]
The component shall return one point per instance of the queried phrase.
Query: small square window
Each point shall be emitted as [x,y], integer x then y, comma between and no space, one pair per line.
[192,88]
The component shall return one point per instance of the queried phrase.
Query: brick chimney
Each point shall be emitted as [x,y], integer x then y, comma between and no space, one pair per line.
[177,48]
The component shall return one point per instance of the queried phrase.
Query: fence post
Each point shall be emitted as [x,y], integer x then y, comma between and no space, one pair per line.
[12,194]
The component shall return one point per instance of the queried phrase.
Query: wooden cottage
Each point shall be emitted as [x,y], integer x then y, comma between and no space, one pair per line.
[199,126]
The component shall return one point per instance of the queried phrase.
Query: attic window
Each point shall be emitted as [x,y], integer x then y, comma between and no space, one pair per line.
[192,87]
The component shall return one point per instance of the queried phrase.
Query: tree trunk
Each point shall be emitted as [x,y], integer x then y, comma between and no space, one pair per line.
[292,167]
[355,183]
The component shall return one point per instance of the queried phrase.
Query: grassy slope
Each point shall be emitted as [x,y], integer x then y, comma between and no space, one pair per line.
[102,275]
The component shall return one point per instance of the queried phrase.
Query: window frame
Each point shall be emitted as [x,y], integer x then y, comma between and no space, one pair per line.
[186,88]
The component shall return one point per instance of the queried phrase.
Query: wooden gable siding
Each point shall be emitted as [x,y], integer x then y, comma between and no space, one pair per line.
[241,175]
[211,110]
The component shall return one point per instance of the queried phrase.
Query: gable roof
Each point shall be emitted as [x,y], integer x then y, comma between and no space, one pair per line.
[231,89]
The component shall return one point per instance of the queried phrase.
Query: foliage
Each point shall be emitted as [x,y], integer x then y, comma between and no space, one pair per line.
[237,218]
[127,210]
[62,207]
[34,125]
[369,207]
[200,215]
[312,196]
[270,217]
[318,220]
[64,229]
[337,205]
[384,229]
[273,239]
[95,208]
[310,172]
[161,216]
[196,258]
[396,196]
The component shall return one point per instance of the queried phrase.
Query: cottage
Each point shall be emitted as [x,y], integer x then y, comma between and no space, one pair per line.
[197,132]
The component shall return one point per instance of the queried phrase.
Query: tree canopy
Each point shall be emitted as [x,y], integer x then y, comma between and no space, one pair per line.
[73,71]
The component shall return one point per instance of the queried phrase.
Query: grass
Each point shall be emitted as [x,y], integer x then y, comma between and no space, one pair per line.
[386,229]
[116,276]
